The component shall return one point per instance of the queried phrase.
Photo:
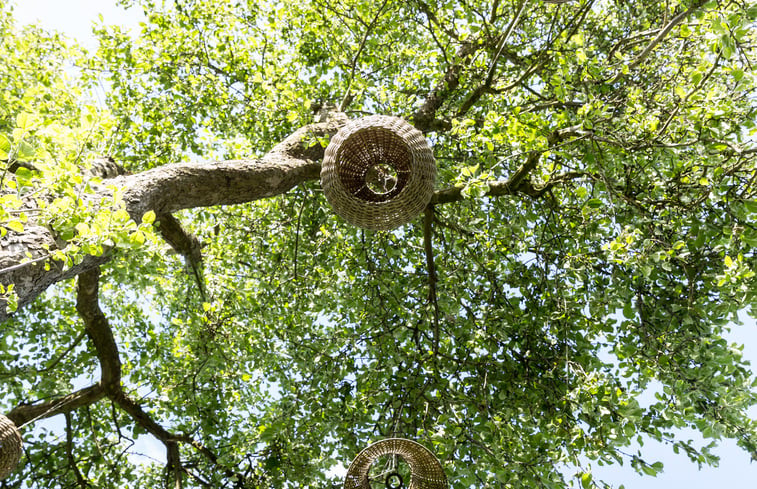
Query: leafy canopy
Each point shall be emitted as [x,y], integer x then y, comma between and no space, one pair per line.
[609,266]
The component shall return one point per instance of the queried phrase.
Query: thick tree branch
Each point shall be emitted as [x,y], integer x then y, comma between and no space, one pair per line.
[99,330]
[171,188]
[27,413]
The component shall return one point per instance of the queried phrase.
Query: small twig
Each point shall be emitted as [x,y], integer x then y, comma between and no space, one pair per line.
[297,237]
[686,98]
[503,41]
[70,453]
[348,93]
[432,277]
[63,355]
[674,22]
[13,268]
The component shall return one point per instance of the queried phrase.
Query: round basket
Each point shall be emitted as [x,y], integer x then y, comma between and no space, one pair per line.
[378,172]
[10,446]
[425,470]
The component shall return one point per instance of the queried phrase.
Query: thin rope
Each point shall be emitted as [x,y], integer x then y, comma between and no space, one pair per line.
[509,31]
[44,414]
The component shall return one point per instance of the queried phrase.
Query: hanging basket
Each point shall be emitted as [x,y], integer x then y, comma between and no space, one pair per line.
[425,470]
[378,172]
[10,446]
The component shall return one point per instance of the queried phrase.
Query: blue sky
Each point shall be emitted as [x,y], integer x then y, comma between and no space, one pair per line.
[75,18]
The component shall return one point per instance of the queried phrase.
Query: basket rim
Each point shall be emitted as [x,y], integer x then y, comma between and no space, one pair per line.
[414,149]
[364,457]
[402,207]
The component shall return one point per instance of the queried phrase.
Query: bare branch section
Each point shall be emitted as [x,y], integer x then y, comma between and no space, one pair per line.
[171,188]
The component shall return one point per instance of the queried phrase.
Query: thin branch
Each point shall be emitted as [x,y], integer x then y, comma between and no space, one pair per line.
[424,118]
[664,32]
[184,243]
[70,454]
[493,15]
[431,267]
[347,93]
[25,264]
[99,330]
[297,237]
[686,98]
[517,182]
[63,355]
[503,41]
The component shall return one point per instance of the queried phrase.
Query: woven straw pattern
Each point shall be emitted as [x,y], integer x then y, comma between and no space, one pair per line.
[378,172]
[426,471]
[10,446]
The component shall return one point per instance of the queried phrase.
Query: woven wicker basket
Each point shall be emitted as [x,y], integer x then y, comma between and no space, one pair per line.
[378,172]
[425,470]
[10,446]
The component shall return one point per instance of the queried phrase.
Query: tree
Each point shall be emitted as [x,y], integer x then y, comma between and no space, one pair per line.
[170,266]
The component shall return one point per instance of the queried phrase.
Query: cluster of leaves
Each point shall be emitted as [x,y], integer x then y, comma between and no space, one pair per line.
[611,274]
[50,132]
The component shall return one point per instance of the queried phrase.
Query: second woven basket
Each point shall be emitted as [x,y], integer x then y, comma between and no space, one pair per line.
[378,172]
[425,470]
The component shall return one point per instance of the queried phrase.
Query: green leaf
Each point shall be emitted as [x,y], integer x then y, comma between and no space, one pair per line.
[586,479]
[82,228]
[148,217]
[16,226]
[25,151]
[5,147]
[594,203]
[23,121]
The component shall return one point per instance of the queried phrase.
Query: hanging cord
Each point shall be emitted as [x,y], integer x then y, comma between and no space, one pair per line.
[503,41]
[54,407]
